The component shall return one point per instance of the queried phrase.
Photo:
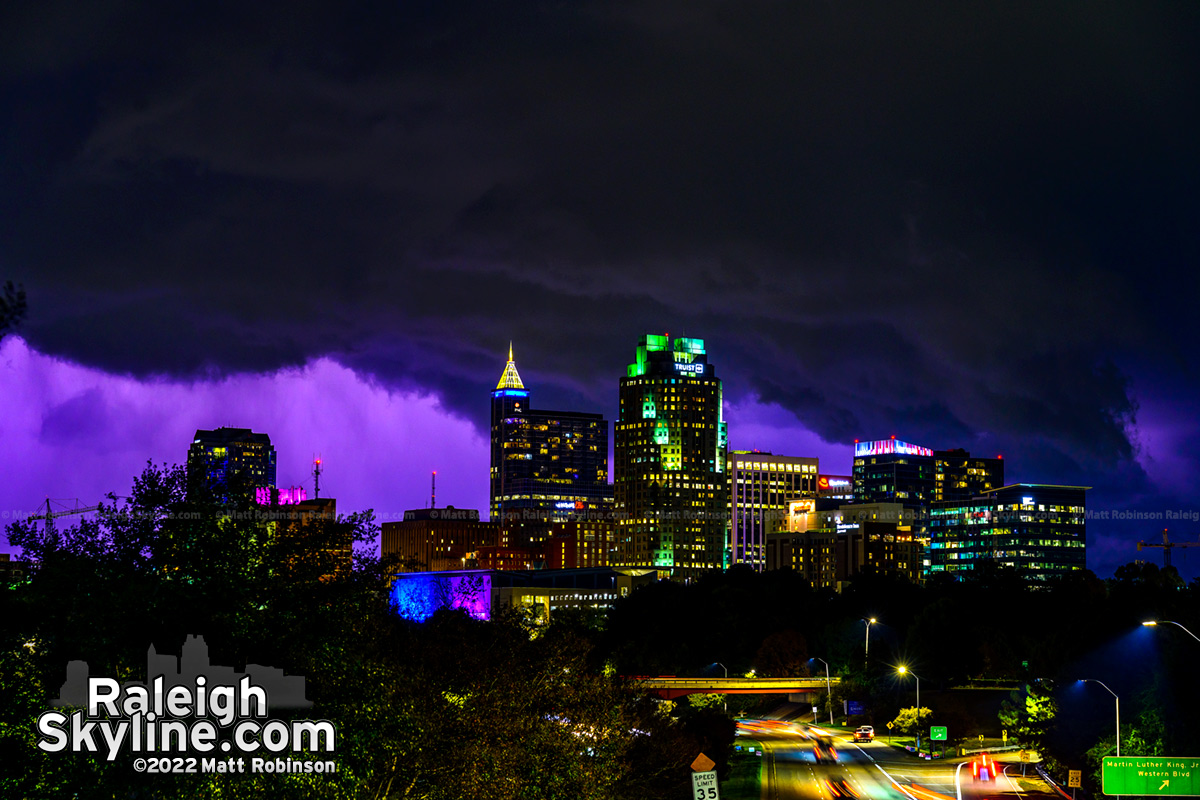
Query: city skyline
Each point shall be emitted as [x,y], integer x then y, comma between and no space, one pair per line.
[462,485]
[966,227]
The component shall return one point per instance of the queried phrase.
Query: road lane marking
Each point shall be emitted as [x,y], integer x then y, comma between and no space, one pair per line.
[1012,782]
[865,753]
[893,781]
[927,793]
[957,784]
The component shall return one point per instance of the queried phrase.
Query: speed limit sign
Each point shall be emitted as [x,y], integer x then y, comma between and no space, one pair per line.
[704,786]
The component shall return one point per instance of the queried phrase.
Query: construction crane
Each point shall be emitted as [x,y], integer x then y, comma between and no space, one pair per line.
[48,515]
[1167,546]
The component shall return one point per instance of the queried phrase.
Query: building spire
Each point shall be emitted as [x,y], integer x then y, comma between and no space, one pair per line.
[510,379]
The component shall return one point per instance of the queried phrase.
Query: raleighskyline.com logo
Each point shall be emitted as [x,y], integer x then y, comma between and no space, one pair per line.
[206,715]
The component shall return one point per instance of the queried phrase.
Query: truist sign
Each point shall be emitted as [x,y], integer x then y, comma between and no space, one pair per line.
[886,447]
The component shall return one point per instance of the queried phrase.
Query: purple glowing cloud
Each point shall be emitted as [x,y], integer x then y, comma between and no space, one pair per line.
[74,432]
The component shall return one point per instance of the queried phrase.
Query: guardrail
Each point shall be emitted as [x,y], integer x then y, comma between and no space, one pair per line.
[967,752]
[1046,777]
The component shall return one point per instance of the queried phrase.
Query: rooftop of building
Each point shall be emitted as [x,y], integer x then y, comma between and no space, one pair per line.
[510,378]
[449,513]
[586,578]
[224,434]
[1033,486]
[686,356]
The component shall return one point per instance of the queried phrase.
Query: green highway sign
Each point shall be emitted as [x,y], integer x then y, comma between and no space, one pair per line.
[938,733]
[1155,777]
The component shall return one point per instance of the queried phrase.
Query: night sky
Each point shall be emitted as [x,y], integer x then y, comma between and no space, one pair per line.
[965,224]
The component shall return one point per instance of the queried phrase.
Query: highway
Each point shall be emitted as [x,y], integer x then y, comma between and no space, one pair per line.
[866,771]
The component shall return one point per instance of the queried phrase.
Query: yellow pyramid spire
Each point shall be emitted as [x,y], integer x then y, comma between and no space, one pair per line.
[510,379]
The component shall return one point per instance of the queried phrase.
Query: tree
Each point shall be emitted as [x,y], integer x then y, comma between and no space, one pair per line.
[1029,715]
[911,719]
[454,707]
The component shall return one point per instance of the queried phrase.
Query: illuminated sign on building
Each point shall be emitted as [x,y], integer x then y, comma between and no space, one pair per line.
[886,447]
[696,368]
[830,482]
[285,497]
[802,506]
[577,505]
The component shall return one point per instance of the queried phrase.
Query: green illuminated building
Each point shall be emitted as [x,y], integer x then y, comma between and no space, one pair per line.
[671,487]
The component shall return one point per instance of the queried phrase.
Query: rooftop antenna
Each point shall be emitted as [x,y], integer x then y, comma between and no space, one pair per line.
[316,477]
[433,490]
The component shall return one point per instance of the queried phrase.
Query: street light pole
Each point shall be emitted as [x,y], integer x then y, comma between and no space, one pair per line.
[828,689]
[907,671]
[725,694]
[867,642]
[1114,694]
[1154,622]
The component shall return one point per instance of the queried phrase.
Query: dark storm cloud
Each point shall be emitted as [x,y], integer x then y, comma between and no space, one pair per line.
[957,224]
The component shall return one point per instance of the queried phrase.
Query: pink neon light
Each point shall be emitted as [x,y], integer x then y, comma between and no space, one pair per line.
[285,497]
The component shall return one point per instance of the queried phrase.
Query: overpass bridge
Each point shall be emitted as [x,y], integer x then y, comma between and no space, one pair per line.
[672,688]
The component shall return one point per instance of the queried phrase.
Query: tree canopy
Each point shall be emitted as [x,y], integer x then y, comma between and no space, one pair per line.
[454,707]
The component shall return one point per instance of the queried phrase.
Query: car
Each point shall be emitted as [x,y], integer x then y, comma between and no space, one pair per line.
[865,733]
[983,768]
[839,787]
[824,751]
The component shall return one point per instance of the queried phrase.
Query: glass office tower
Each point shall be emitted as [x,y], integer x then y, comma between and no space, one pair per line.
[671,486]
[547,466]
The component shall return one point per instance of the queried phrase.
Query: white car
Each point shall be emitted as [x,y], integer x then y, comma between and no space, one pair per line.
[865,733]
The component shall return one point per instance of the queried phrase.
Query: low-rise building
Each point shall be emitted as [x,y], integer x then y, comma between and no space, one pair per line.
[831,546]
[581,544]
[435,539]
[12,570]
[481,593]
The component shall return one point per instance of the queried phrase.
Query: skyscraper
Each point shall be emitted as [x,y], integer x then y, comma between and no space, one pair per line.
[671,486]
[547,466]
[229,457]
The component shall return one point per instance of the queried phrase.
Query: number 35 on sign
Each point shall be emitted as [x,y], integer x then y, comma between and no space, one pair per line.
[704,786]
